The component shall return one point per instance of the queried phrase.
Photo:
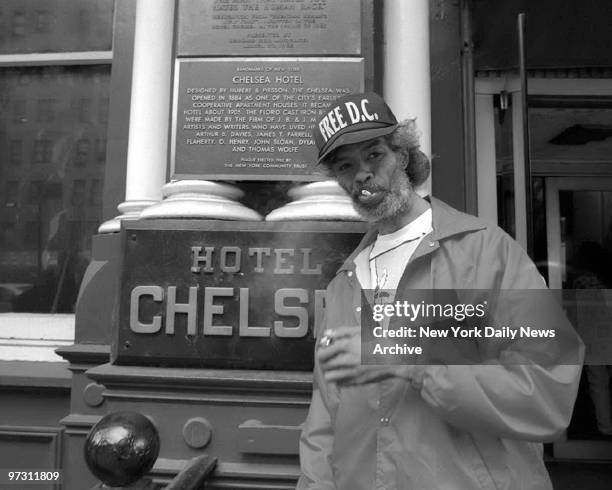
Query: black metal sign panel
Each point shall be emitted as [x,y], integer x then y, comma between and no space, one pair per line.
[226,295]
[252,118]
[270,27]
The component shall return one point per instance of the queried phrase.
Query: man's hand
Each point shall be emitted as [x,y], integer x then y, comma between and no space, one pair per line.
[340,360]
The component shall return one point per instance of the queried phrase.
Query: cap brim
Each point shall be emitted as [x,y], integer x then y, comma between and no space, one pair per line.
[356,137]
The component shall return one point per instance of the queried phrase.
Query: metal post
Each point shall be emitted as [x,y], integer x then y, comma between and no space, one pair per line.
[468,102]
[526,146]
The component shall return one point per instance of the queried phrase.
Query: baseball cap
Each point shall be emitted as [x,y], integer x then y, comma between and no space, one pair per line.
[353,118]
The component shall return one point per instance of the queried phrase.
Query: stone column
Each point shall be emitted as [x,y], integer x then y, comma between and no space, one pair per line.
[406,77]
[147,161]
[149,110]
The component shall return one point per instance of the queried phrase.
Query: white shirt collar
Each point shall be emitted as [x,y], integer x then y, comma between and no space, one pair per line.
[420,226]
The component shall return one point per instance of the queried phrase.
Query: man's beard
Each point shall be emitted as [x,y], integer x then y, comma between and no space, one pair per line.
[396,201]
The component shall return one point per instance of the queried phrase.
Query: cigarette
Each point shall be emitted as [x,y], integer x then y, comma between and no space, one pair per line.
[326,340]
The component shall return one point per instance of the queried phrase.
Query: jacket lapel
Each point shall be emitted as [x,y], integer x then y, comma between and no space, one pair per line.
[446,222]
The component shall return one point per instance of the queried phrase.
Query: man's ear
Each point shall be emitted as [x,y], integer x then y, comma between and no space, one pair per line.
[418,167]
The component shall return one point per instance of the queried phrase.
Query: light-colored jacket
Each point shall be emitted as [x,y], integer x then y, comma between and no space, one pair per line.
[465,427]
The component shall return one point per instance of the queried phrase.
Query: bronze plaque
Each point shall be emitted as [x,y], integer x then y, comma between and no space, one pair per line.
[269,27]
[226,294]
[252,118]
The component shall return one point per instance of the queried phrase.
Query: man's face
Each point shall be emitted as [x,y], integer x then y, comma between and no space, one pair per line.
[375,178]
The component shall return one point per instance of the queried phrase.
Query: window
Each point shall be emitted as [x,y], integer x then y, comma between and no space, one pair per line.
[19,111]
[19,24]
[103,110]
[35,194]
[78,193]
[15,152]
[82,152]
[43,22]
[37,26]
[8,234]
[54,127]
[11,193]
[100,150]
[83,110]
[95,194]
[46,110]
[31,236]
[53,123]
[42,151]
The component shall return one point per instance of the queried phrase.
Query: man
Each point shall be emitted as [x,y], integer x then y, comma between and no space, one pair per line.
[414,426]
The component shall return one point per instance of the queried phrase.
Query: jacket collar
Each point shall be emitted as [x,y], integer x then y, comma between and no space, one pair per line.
[446,222]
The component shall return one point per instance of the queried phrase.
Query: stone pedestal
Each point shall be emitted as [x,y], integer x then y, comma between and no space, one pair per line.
[130,210]
[317,201]
[201,199]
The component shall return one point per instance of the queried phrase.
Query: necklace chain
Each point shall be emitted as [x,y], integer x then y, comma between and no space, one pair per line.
[380,283]
[397,246]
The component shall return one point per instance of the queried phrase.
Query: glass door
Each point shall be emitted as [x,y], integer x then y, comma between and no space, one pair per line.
[579,236]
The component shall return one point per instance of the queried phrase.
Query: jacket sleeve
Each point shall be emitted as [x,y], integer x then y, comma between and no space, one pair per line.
[317,435]
[528,387]
[315,447]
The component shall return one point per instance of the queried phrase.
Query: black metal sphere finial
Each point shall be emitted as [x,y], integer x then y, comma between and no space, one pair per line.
[121,448]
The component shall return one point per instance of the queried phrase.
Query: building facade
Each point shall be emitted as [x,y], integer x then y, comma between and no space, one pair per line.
[90,137]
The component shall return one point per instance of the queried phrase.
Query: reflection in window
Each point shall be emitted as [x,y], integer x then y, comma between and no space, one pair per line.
[60,25]
[19,111]
[95,195]
[82,152]
[586,246]
[15,152]
[84,24]
[103,110]
[100,150]
[46,110]
[47,182]
[42,151]
[84,110]
[30,236]
[78,192]
[8,236]
[44,18]
[35,194]
[53,191]
[19,24]
[11,193]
